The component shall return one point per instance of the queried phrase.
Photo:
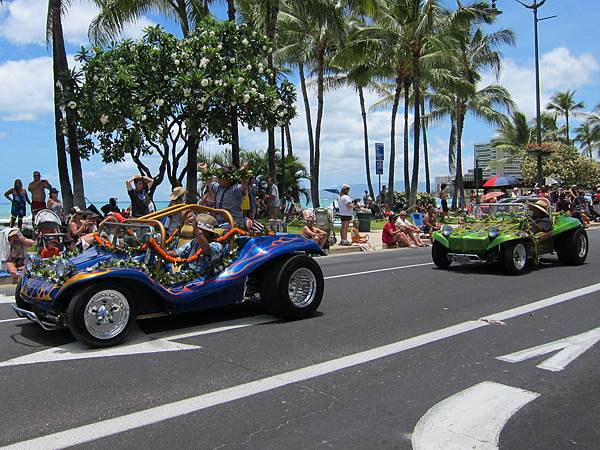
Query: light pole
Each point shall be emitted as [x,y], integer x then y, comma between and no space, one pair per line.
[535,6]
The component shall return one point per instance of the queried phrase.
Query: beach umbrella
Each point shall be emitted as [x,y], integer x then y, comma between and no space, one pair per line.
[333,191]
[490,195]
[499,181]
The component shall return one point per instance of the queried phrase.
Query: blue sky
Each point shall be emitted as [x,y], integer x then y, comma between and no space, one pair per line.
[570,60]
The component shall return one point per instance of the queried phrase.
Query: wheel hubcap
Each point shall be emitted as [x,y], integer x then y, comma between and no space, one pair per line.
[519,256]
[106,314]
[302,287]
[582,246]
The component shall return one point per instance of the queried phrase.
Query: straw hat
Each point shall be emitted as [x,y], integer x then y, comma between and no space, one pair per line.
[208,223]
[540,205]
[177,193]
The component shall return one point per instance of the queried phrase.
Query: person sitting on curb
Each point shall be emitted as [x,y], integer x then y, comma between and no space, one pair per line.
[310,231]
[358,238]
[430,223]
[412,231]
[17,253]
[205,233]
[391,236]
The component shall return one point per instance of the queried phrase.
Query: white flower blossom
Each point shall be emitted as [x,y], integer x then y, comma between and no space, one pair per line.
[72,104]
[153,69]
[233,103]
[177,62]
[194,64]
[187,92]
[200,106]
[204,62]
[204,82]
[240,80]
[220,46]
[143,118]
[159,102]
[232,60]
[224,67]
[166,78]
[261,96]
[103,119]
[264,47]
[260,69]
[96,78]
[246,98]
[245,41]
[212,34]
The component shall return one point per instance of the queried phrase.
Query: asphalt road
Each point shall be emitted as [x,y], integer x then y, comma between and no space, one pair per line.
[397,357]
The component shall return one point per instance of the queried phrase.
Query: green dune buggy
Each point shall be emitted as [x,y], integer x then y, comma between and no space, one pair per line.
[509,233]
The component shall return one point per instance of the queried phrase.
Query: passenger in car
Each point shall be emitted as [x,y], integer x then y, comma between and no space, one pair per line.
[206,232]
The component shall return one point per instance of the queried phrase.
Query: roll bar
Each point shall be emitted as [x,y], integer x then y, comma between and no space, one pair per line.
[154,223]
[188,207]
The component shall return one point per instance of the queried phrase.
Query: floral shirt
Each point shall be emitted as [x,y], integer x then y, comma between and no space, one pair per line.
[204,262]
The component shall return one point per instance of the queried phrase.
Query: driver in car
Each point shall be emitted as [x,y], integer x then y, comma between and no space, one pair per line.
[541,222]
[205,233]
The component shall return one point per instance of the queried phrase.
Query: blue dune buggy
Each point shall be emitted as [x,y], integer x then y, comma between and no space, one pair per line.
[100,293]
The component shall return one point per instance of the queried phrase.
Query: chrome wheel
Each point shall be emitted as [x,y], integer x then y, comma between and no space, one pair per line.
[583,244]
[519,256]
[302,287]
[106,314]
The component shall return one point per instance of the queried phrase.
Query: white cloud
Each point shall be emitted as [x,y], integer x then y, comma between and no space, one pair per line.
[559,70]
[24,22]
[25,88]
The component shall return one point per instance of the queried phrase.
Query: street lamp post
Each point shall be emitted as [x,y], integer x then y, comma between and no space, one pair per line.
[535,6]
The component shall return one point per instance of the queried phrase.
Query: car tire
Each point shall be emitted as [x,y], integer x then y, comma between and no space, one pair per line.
[91,314]
[439,253]
[572,247]
[292,288]
[22,304]
[515,257]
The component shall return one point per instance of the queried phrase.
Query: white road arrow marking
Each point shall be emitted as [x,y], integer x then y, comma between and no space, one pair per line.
[470,419]
[138,344]
[570,348]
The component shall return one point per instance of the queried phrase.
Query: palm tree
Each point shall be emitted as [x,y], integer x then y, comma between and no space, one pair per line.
[564,104]
[62,89]
[310,33]
[514,135]
[116,14]
[588,137]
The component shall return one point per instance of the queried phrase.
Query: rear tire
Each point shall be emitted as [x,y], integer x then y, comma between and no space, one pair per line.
[100,315]
[515,257]
[439,253]
[572,247]
[293,287]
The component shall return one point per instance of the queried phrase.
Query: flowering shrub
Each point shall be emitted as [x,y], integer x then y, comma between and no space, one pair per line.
[141,97]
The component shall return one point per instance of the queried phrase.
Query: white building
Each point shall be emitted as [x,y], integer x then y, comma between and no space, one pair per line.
[493,161]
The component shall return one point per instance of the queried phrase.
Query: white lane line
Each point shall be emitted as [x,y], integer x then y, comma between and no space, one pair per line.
[109,427]
[11,320]
[6,299]
[137,344]
[472,418]
[331,277]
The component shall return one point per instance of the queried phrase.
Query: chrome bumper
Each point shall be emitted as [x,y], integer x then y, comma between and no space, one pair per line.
[465,258]
[30,315]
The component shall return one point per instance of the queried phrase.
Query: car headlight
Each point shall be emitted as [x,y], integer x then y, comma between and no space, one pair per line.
[447,230]
[60,267]
[493,232]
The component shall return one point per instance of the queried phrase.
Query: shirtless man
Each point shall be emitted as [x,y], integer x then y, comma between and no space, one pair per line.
[38,192]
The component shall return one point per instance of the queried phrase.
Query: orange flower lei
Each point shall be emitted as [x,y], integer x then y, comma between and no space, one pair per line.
[177,260]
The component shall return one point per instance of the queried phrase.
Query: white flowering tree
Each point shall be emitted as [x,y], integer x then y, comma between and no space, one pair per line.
[139,98]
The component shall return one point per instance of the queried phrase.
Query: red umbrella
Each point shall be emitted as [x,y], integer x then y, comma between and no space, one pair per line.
[499,181]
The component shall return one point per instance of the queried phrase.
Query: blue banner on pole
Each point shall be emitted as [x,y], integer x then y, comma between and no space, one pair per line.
[379,167]
[379,151]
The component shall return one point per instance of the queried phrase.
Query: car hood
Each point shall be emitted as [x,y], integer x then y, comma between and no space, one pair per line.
[91,257]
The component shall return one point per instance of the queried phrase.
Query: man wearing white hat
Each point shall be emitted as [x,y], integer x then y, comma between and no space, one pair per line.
[346,213]
[17,253]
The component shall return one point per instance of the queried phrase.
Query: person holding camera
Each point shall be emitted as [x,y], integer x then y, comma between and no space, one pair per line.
[346,206]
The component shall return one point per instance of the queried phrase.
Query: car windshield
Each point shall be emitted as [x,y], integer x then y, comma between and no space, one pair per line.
[499,211]
[123,235]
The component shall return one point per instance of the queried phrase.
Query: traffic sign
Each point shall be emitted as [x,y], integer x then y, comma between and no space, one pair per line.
[379,152]
[379,167]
